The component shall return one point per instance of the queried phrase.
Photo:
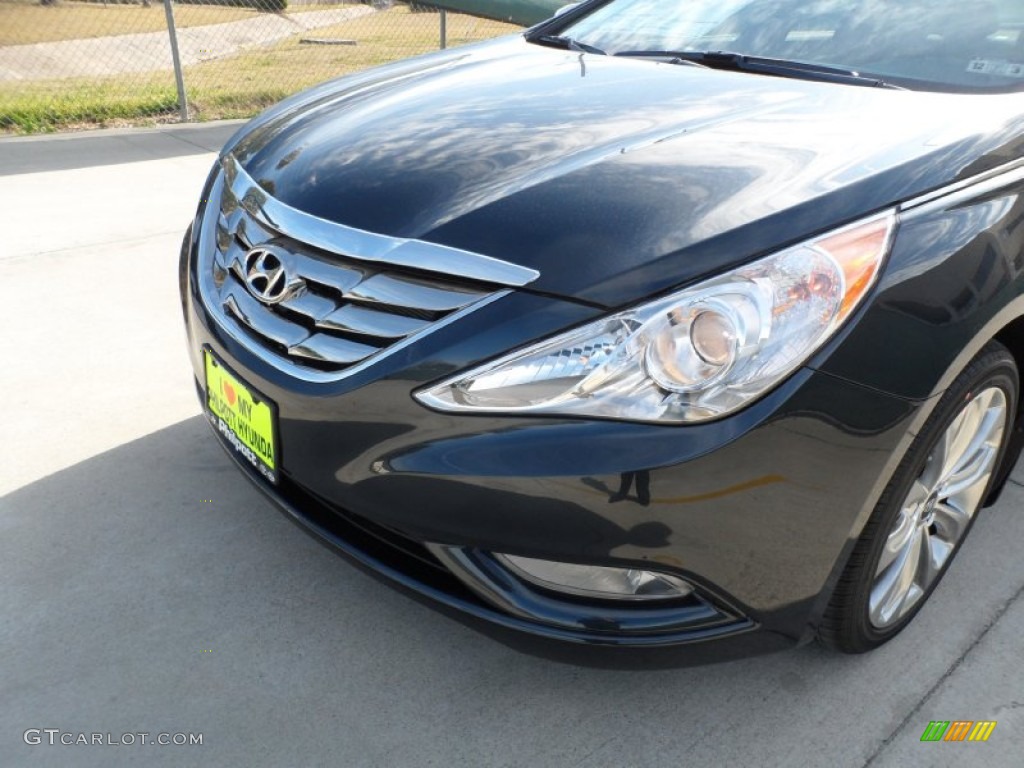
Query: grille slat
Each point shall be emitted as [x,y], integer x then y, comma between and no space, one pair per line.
[369,322]
[262,320]
[225,232]
[337,277]
[413,294]
[312,305]
[330,349]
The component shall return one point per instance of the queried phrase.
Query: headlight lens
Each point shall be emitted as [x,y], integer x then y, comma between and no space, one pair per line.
[695,355]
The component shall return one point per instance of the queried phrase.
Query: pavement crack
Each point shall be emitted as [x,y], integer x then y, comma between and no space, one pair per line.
[1015,482]
[595,750]
[1012,705]
[942,678]
[177,136]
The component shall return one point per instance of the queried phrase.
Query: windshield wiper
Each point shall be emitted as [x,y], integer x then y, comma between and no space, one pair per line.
[568,43]
[741,62]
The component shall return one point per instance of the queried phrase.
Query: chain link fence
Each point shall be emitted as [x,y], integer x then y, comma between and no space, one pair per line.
[67,64]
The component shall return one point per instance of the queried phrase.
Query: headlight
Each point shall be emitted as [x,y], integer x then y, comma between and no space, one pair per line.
[695,355]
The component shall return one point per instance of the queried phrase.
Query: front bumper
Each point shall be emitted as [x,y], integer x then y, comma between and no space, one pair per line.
[757,510]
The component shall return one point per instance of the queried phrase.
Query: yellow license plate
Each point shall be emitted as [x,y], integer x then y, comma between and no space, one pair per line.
[244,419]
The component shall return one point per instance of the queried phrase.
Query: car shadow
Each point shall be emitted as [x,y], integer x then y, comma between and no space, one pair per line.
[152,587]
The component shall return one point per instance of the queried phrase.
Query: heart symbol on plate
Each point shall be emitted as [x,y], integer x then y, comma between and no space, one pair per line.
[229,393]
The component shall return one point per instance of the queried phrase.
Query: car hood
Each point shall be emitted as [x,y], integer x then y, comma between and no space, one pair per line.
[615,178]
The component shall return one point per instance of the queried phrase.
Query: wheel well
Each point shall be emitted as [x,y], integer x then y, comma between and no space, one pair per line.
[1011,337]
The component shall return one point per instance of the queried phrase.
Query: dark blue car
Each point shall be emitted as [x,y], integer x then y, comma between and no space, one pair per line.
[659,324]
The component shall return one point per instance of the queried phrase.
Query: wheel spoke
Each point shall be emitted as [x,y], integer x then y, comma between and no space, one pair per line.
[964,485]
[917,496]
[932,556]
[972,466]
[897,541]
[889,598]
[903,528]
[958,437]
[988,432]
[951,522]
[964,491]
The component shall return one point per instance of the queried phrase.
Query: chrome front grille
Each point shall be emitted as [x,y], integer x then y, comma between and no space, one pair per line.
[337,313]
[342,297]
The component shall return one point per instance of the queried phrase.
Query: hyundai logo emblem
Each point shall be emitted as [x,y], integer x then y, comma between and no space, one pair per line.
[266,274]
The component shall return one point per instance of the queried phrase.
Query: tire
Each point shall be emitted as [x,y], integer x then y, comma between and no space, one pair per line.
[866,608]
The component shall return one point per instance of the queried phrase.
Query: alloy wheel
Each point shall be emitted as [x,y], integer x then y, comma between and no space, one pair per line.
[938,508]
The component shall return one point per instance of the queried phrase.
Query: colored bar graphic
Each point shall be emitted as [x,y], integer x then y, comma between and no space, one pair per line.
[958,730]
[982,730]
[935,730]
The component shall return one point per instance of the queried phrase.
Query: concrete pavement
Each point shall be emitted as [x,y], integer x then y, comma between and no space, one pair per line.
[146,587]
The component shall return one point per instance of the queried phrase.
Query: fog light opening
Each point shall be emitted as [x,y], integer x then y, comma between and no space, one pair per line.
[596,581]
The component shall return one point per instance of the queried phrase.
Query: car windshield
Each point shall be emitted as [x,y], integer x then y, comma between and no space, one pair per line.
[956,45]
